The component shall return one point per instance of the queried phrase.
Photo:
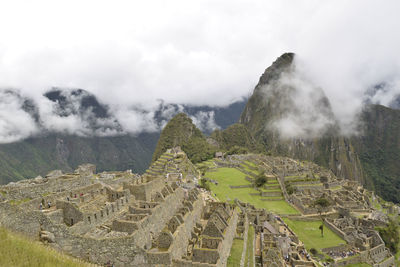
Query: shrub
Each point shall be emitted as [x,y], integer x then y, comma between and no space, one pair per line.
[260,179]
[204,184]
[289,189]
[237,150]
[313,251]
[323,202]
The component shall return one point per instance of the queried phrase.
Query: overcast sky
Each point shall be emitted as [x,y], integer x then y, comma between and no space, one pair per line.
[197,52]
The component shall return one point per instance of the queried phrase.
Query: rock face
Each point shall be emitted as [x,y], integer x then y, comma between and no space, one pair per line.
[298,123]
[379,150]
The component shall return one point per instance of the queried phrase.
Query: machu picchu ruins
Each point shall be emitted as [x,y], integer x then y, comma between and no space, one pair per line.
[165,217]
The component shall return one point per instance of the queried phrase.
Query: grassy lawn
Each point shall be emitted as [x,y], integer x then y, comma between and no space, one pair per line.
[236,253]
[250,250]
[19,251]
[231,176]
[309,233]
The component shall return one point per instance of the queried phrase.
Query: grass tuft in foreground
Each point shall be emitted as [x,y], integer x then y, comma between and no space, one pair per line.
[18,251]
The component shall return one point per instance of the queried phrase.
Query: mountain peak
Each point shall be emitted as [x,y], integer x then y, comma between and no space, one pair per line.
[281,64]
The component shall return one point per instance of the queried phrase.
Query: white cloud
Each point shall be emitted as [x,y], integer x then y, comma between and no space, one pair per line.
[205,121]
[15,123]
[132,53]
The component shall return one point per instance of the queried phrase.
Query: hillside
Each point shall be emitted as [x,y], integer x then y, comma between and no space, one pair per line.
[236,136]
[38,156]
[379,150]
[16,250]
[52,149]
[180,131]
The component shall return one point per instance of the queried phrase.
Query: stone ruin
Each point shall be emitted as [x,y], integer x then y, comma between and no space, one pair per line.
[362,239]
[121,217]
[161,218]
[276,244]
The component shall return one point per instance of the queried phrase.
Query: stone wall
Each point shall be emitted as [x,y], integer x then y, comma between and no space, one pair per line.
[271,194]
[31,190]
[336,230]
[146,190]
[389,262]
[184,231]
[230,233]
[378,253]
[71,213]
[186,263]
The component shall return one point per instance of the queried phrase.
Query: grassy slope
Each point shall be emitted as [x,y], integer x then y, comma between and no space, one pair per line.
[249,259]
[309,233]
[19,251]
[231,176]
[236,253]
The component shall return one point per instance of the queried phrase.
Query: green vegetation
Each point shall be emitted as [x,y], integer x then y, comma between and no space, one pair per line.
[231,176]
[204,184]
[309,233]
[38,156]
[236,150]
[198,150]
[391,236]
[260,179]
[379,151]
[249,259]
[323,202]
[19,201]
[289,188]
[236,139]
[180,131]
[18,251]
[236,253]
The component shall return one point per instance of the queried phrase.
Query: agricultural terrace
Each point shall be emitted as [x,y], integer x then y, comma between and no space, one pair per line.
[223,181]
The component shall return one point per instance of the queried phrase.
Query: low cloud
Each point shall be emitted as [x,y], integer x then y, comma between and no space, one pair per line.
[300,109]
[78,112]
[205,121]
[15,122]
[210,54]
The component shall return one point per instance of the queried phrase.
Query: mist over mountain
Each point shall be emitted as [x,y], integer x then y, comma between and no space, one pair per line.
[79,112]
[291,115]
[67,127]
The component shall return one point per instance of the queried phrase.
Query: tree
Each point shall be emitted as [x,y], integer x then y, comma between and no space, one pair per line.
[323,202]
[289,188]
[323,179]
[321,227]
[260,179]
